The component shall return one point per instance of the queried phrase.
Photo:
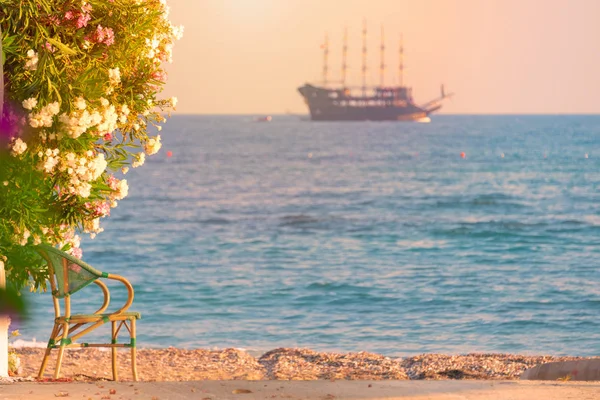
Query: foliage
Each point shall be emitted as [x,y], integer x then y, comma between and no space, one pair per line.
[82,86]
[12,304]
[14,361]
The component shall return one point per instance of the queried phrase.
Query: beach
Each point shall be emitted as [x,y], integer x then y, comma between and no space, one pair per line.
[172,364]
[287,373]
[304,390]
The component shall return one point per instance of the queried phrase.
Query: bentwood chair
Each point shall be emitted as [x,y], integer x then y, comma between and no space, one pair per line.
[67,276]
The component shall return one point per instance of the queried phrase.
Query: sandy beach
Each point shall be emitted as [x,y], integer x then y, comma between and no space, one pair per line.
[286,373]
[172,364]
[303,390]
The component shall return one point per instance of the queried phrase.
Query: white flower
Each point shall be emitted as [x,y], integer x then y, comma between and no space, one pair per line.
[177,31]
[52,108]
[114,76]
[125,170]
[30,103]
[50,163]
[80,103]
[141,158]
[32,62]
[122,190]
[84,190]
[19,147]
[173,100]
[44,117]
[92,227]
[25,238]
[98,165]
[153,145]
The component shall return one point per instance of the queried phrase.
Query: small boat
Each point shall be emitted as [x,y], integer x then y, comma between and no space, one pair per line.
[263,119]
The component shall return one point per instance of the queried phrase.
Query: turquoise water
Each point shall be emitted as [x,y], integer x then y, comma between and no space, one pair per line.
[362,236]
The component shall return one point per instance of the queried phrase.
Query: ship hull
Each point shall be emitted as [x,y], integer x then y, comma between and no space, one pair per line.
[334,105]
[365,114]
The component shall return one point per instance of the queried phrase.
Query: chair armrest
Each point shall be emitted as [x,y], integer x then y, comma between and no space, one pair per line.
[129,292]
[106,296]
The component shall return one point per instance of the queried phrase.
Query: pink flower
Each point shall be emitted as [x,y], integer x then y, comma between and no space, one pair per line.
[160,76]
[113,182]
[110,36]
[107,137]
[98,209]
[83,20]
[102,209]
[69,15]
[77,253]
[99,34]
[102,35]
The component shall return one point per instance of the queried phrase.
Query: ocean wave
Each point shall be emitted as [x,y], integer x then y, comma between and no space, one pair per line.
[422,244]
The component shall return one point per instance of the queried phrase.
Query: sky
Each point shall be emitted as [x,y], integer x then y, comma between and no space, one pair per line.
[497,56]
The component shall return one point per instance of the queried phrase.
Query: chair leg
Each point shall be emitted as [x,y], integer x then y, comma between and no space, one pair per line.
[61,350]
[114,351]
[133,352]
[48,351]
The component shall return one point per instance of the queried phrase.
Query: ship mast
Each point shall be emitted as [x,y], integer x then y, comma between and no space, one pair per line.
[382,63]
[344,54]
[364,58]
[325,58]
[401,62]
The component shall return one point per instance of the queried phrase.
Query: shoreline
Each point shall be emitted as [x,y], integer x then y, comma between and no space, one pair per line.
[173,364]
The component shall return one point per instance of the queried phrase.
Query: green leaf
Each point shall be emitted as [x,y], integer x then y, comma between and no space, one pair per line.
[62,47]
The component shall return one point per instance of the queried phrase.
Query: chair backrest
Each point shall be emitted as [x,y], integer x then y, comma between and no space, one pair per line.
[71,273]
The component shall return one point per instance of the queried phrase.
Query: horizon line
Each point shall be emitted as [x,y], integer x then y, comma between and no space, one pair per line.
[290,114]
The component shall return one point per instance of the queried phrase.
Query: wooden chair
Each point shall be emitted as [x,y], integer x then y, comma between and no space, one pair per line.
[67,276]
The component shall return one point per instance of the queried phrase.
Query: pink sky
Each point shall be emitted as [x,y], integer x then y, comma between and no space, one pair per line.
[498,56]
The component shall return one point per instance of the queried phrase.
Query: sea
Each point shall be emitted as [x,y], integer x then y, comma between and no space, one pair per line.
[466,234]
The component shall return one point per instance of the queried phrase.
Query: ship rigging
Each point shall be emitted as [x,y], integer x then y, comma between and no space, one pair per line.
[327,102]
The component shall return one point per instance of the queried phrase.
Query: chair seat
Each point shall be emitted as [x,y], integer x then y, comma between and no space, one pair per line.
[96,317]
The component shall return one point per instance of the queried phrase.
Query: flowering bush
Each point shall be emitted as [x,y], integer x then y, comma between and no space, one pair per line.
[82,84]
[14,362]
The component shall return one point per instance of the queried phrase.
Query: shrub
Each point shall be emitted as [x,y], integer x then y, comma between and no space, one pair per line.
[82,86]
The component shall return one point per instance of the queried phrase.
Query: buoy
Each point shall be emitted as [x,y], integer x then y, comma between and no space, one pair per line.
[463,155]
[502,155]
[586,155]
[169,153]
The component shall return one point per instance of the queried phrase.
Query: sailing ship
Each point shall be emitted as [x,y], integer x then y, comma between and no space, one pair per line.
[328,102]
